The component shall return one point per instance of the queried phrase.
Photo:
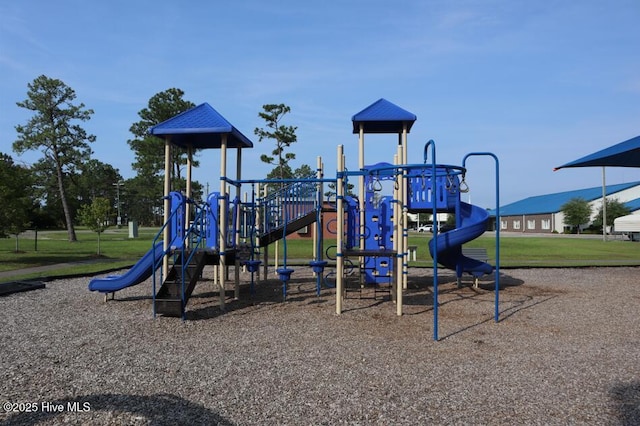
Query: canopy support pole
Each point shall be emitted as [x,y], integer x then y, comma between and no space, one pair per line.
[604,206]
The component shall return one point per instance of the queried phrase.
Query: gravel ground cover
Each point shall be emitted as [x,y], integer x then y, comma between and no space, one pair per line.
[566,351]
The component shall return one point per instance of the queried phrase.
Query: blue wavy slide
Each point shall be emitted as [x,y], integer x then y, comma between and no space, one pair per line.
[137,274]
[473,224]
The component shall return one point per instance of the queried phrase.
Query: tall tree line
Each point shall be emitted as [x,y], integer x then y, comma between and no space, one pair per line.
[66,179]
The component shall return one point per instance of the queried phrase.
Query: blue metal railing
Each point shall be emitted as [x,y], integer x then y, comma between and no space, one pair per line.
[183,246]
[298,198]
[193,241]
[212,222]
[157,261]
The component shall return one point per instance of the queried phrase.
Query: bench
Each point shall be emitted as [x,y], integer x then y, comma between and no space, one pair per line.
[477,253]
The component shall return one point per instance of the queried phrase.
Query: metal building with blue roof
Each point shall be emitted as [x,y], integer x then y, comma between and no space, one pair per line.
[542,213]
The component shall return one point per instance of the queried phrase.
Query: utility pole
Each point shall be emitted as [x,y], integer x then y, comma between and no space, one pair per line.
[119,219]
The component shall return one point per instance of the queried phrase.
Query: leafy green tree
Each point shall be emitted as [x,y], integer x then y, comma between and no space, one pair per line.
[148,149]
[53,130]
[614,209]
[450,223]
[96,216]
[283,172]
[144,193]
[40,217]
[425,219]
[15,197]
[304,171]
[46,192]
[142,198]
[45,214]
[283,136]
[577,211]
[96,179]
[91,179]
[332,190]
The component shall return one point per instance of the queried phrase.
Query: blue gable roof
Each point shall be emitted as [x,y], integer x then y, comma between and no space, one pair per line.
[201,127]
[552,203]
[383,116]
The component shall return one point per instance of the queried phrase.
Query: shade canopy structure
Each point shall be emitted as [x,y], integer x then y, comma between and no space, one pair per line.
[383,116]
[200,127]
[623,154]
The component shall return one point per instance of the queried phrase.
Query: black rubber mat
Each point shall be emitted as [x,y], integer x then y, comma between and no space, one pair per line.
[19,286]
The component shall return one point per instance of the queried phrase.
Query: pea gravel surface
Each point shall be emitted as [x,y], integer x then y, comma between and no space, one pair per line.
[565,351]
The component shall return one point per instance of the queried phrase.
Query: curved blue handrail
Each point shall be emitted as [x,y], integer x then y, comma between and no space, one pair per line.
[497,268]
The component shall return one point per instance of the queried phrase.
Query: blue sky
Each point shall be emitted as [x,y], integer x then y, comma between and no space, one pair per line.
[538,83]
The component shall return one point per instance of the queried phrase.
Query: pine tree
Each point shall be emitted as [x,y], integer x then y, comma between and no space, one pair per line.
[283,136]
[52,130]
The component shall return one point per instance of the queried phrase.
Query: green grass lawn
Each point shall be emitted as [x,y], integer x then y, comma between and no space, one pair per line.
[518,251]
[560,251]
[118,251]
[53,247]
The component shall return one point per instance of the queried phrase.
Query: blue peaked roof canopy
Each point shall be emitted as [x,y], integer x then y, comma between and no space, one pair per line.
[201,127]
[624,154]
[383,116]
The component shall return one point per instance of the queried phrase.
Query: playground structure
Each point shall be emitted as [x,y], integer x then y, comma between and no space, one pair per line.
[371,230]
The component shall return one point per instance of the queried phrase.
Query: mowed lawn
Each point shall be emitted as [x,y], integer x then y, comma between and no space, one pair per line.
[118,251]
[558,250]
[53,247]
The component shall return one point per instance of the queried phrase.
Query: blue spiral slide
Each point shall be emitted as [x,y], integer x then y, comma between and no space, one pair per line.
[137,274]
[473,223]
